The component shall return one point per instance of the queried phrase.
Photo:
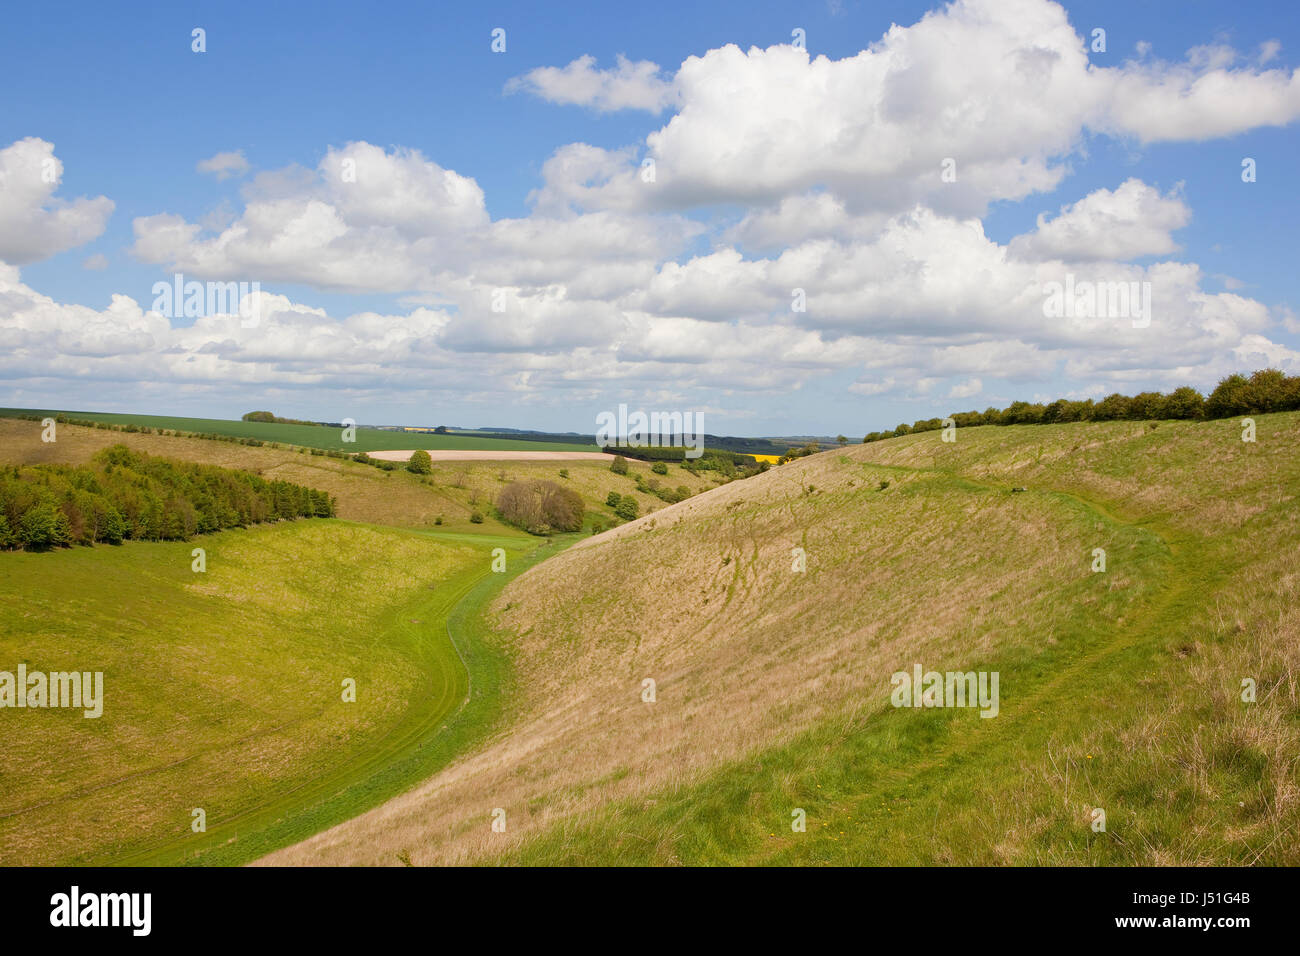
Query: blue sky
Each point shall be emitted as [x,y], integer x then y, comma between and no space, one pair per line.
[129,111]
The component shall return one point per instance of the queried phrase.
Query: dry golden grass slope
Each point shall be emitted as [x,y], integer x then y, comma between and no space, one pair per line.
[760,666]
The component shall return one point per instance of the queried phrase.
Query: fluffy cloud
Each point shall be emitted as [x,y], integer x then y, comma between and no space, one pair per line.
[224,165]
[393,221]
[1131,221]
[926,299]
[634,86]
[797,219]
[830,173]
[1194,101]
[1003,88]
[364,219]
[48,347]
[34,225]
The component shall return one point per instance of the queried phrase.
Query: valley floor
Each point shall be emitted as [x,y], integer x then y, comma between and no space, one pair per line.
[225,691]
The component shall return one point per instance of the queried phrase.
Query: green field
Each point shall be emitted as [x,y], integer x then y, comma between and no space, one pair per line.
[309,436]
[223,689]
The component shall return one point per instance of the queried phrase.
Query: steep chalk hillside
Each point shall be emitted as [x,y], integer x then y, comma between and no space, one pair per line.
[1120,690]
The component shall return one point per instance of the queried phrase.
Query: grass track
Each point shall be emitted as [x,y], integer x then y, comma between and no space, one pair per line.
[475,679]
[222,690]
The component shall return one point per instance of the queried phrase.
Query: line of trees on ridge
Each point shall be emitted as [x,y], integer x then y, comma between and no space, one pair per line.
[1267,390]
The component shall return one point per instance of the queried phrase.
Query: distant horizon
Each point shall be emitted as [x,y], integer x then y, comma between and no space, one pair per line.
[500,429]
[593,435]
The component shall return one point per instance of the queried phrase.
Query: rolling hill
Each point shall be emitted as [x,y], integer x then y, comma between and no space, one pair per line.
[223,688]
[1149,712]
[306,435]
[453,492]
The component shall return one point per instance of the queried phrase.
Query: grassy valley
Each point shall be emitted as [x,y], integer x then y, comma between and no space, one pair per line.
[224,687]
[1121,690]
[769,614]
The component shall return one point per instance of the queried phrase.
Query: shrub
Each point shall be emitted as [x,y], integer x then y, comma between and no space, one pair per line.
[619,465]
[967,419]
[476,518]
[627,508]
[1291,393]
[1230,397]
[1114,407]
[1023,413]
[1267,391]
[659,468]
[420,463]
[612,499]
[1146,406]
[1185,403]
[541,507]
[670,495]
[564,473]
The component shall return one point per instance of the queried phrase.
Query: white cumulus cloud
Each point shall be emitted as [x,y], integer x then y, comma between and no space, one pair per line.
[224,165]
[629,85]
[34,224]
[1125,223]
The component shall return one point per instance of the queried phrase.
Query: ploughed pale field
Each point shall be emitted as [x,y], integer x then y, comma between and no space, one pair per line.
[475,454]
